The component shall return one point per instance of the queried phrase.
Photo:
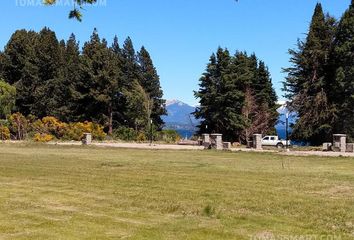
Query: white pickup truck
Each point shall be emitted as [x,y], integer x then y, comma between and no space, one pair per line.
[274,141]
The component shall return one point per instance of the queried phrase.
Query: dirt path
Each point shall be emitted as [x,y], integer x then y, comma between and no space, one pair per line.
[138,146]
[184,147]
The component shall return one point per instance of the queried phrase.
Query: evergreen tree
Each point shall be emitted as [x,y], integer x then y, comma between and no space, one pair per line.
[236,97]
[206,94]
[264,87]
[266,98]
[131,85]
[101,75]
[244,69]
[150,82]
[21,68]
[307,81]
[343,61]
[87,108]
[130,66]
[72,71]
[220,98]
[225,118]
[47,95]
[3,62]
[119,103]
[115,46]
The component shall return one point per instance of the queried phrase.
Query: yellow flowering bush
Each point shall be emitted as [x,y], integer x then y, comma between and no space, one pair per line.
[50,128]
[4,133]
[141,137]
[43,137]
[54,126]
[75,131]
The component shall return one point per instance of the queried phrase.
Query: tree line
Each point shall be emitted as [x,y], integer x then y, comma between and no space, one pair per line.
[236,96]
[320,82]
[110,85]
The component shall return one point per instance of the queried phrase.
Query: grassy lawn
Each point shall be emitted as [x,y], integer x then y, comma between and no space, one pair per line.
[52,192]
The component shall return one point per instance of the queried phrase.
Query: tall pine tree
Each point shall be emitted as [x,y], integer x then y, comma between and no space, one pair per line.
[48,92]
[101,81]
[307,81]
[236,96]
[343,61]
[150,81]
[134,93]
[21,68]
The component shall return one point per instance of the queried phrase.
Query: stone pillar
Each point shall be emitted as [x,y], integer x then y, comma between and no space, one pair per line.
[257,141]
[206,141]
[227,146]
[350,147]
[340,142]
[326,147]
[206,138]
[87,140]
[216,141]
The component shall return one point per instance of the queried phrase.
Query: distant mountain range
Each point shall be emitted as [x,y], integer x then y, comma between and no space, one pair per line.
[179,112]
[180,118]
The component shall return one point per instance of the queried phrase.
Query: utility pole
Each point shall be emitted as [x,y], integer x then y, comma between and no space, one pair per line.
[287,130]
[151,133]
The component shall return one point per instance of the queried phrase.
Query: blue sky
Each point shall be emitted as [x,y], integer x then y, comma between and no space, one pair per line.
[181,34]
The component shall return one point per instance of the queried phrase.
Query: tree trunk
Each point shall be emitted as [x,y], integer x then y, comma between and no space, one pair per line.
[110,121]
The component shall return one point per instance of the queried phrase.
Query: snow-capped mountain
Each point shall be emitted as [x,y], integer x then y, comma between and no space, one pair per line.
[179,112]
[180,118]
[175,102]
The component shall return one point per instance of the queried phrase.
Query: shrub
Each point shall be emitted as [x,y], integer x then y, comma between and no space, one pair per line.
[37,126]
[18,125]
[54,127]
[48,125]
[125,134]
[141,137]
[4,133]
[43,137]
[75,131]
[169,136]
[97,131]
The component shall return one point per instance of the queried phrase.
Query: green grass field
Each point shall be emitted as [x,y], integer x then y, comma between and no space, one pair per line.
[52,192]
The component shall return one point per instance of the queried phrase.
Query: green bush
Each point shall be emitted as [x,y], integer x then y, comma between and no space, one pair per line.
[4,123]
[168,136]
[125,134]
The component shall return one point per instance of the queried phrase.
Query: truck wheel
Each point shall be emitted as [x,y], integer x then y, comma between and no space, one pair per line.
[280,145]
